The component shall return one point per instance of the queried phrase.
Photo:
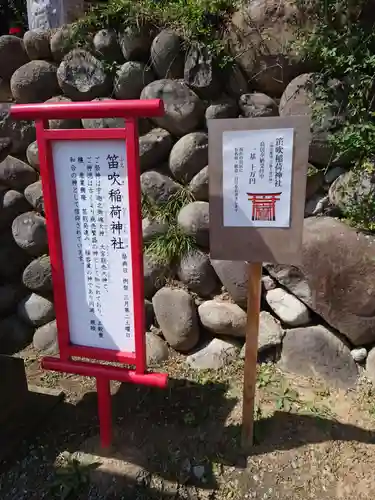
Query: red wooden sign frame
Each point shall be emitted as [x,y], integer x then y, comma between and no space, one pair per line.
[130,111]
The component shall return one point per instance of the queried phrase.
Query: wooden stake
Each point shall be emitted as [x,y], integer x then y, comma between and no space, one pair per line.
[251,352]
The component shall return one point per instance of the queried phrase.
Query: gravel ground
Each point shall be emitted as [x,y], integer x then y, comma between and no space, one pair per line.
[183,442]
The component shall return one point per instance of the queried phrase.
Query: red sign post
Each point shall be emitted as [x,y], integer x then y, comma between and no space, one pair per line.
[91,187]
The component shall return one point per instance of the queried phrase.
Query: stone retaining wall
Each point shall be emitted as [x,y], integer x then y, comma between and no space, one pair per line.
[312,316]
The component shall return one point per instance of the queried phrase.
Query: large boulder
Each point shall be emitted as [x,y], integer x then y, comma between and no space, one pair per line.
[198,185]
[20,132]
[214,355]
[36,310]
[336,278]
[158,187]
[106,45]
[177,317]
[135,43]
[200,72]
[196,272]
[156,349]
[260,37]
[37,276]
[223,318]
[256,105]
[314,351]
[34,82]
[30,233]
[154,148]
[12,55]
[167,55]
[12,203]
[37,44]
[82,77]
[194,221]
[131,78]
[351,188]
[184,111]
[233,275]
[34,195]
[60,123]
[16,174]
[298,99]
[188,156]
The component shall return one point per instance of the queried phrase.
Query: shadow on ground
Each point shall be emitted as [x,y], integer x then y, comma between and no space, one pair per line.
[167,443]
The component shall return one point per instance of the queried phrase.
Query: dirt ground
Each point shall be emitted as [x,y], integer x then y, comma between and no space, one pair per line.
[184,442]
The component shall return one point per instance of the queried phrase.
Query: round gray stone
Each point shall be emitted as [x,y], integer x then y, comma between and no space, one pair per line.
[12,203]
[214,355]
[30,233]
[194,221]
[156,349]
[16,174]
[176,314]
[359,354]
[257,105]
[37,44]
[12,55]
[200,72]
[270,333]
[223,318]
[222,108]
[233,275]
[184,111]
[158,187]
[32,155]
[107,46]
[34,195]
[199,185]
[188,156]
[135,43]
[155,274]
[196,272]
[36,310]
[167,55]
[154,148]
[20,132]
[61,43]
[15,335]
[45,338]
[35,81]
[37,276]
[287,307]
[315,351]
[65,123]
[131,79]
[82,77]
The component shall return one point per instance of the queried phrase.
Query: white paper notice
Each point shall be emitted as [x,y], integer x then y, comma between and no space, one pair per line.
[93,202]
[257,177]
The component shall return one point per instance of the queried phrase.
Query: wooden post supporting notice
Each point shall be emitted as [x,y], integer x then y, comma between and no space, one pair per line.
[251,352]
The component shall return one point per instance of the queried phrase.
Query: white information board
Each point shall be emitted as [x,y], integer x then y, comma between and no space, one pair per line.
[93,203]
[257,177]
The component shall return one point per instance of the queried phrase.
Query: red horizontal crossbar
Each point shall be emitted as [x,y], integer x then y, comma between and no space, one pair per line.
[98,109]
[105,372]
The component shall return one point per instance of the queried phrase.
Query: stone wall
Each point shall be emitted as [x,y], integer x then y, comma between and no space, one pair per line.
[312,317]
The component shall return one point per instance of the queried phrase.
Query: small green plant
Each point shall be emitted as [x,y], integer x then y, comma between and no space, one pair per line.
[174,243]
[265,375]
[71,476]
[287,400]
